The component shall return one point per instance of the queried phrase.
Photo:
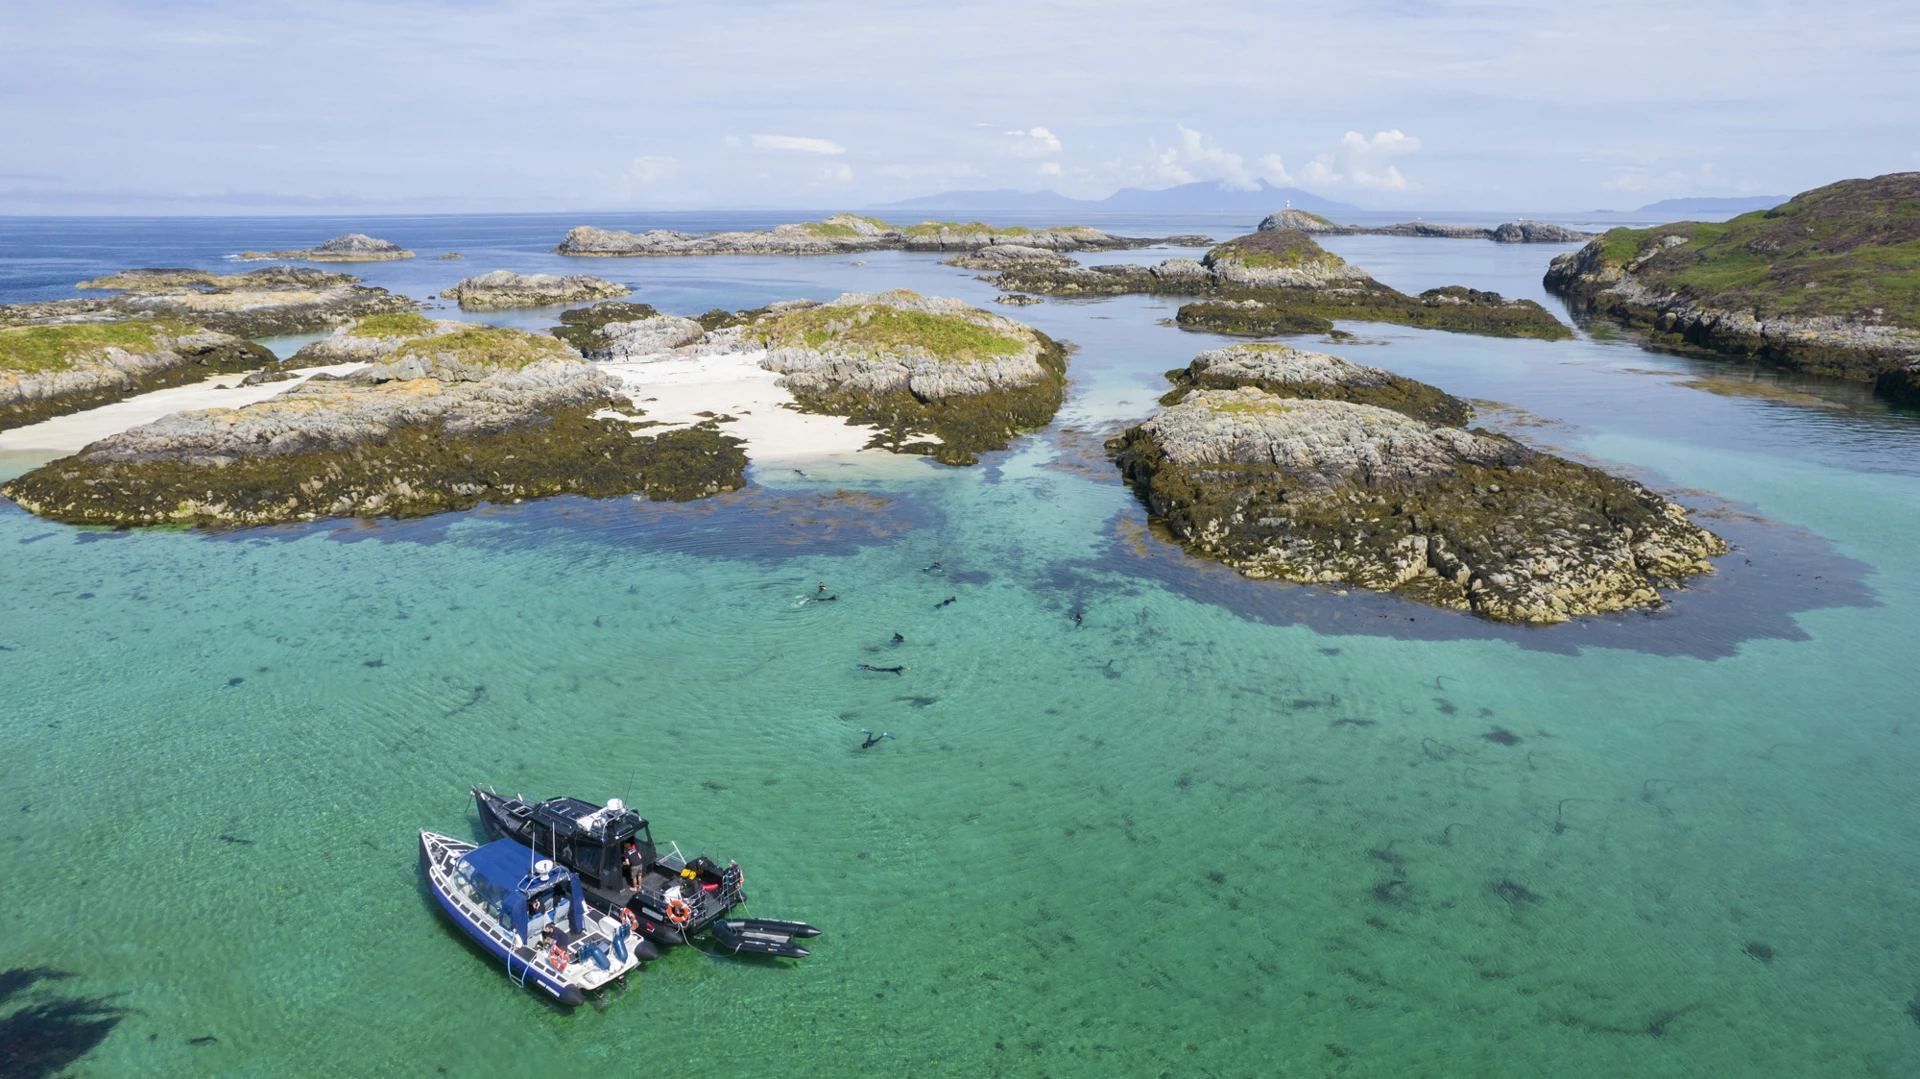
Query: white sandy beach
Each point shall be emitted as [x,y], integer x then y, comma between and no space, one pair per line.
[673,389]
[670,390]
[72,433]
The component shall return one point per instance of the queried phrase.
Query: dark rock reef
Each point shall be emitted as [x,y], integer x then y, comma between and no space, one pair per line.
[442,422]
[52,369]
[847,234]
[1523,231]
[1827,282]
[1290,372]
[1319,490]
[353,247]
[1281,281]
[503,289]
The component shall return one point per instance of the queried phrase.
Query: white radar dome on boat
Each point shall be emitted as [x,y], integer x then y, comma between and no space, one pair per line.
[543,867]
[615,805]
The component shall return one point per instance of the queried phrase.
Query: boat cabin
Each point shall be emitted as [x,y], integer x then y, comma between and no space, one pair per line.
[590,838]
[523,891]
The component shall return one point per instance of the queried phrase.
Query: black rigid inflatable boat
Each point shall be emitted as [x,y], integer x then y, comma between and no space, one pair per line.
[611,848]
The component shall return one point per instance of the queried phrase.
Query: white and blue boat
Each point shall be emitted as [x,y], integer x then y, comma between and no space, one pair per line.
[531,914]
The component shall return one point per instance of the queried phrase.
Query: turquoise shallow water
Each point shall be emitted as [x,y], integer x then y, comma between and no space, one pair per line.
[1223,829]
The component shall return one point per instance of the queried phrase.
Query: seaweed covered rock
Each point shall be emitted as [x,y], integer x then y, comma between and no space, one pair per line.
[914,366]
[1827,282]
[353,247]
[1290,372]
[504,289]
[1335,492]
[624,331]
[53,369]
[443,422]
[842,234]
[1281,281]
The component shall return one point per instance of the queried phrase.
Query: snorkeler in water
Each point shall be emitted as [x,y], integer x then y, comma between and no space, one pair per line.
[822,588]
[1076,620]
[944,602]
[874,739]
[897,639]
[882,670]
[935,568]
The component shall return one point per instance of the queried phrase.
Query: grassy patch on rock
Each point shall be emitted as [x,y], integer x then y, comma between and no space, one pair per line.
[962,427]
[486,346]
[880,327]
[1326,378]
[54,348]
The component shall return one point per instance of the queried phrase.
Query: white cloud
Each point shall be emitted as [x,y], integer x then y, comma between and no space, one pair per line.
[1385,143]
[647,170]
[1320,171]
[798,143]
[839,172]
[1274,170]
[1034,142]
[1390,180]
[1049,168]
[1197,157]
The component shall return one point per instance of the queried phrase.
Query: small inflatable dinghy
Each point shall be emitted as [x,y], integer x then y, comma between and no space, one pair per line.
[763,936]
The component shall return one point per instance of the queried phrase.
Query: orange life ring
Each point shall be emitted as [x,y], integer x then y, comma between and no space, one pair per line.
[678,911]
[629,919]
[557,957]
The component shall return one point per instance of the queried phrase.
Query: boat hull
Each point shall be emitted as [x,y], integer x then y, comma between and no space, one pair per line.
[520,967]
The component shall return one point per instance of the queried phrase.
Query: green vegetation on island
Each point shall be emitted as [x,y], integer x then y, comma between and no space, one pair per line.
[1827,282]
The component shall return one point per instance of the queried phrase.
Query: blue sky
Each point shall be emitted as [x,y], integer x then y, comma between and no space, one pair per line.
[396,106]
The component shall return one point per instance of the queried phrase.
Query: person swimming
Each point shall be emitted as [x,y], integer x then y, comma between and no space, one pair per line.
[935,568]
[874,739]
[822,588]
[882,670]
[1076,619]
[944,602]
[897,639]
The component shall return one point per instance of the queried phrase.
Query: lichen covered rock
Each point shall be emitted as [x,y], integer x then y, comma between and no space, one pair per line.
[625,331]
[915,366]
[1321,491]
[443,422]
[1291,372]
[503,289]
[842,234]
[353,247]
[1281,281]
[54,369]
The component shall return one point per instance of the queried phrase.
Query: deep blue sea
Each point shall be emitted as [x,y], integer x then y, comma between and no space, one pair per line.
[1223,828]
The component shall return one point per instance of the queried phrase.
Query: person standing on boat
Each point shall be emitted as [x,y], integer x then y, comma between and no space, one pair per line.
[636,864]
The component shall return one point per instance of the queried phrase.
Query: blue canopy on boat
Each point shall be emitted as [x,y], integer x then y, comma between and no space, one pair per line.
[503,872]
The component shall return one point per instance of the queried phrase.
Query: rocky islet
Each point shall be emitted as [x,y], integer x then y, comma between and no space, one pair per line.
[1522,231]
[442,422]
[1282,281]
[848,234]
[353,247]
[1278,483]
[504,289]
[1827,283]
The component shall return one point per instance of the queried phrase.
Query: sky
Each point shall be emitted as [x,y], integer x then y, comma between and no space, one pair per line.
[398,106]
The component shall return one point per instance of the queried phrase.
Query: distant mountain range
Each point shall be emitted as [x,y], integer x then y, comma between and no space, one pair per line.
[1203,197]
[1728,206]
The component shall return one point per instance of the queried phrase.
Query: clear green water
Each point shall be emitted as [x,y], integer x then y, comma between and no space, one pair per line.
[1146,846]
